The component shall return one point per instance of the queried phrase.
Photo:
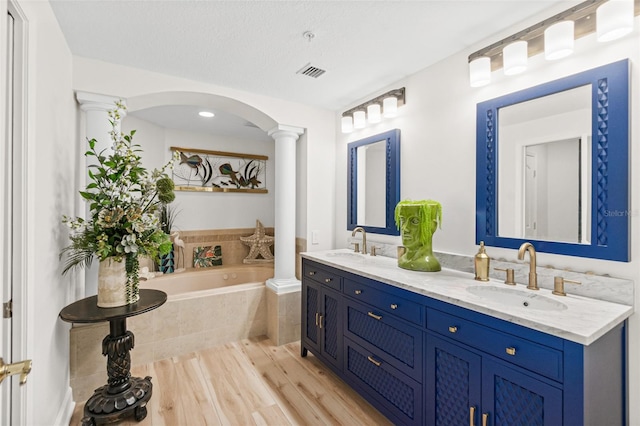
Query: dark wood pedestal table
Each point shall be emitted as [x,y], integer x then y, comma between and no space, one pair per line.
[123,395]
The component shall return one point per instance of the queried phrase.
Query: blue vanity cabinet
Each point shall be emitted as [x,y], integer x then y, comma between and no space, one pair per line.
[322,314]
[422,361]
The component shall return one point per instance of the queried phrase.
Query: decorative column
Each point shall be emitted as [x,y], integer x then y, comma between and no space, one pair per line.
[284,290]
[97,126]
[284,280]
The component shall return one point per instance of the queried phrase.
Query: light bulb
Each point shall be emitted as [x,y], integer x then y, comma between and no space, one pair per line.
[614,19]
[558,40]
[347,124]
[515,57]
[359,120]
[390,107]
[480,71]
[373,113]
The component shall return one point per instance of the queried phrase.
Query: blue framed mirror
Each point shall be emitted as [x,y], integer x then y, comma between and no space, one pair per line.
[552,166]
[373,189]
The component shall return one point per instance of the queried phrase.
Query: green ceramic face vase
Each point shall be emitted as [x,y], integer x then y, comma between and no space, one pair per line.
[410,227]
[418,221]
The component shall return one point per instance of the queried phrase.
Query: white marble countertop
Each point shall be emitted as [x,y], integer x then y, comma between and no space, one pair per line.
[579,319]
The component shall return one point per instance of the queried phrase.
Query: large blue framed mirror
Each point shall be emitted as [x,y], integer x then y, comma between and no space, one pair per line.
[552,166]
[373,187]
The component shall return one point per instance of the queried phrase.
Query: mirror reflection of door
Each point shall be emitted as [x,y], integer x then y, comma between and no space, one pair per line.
[553,199]
[531,196]
[544,168]
[372,192]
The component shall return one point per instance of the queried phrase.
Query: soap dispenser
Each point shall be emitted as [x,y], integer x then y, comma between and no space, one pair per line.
[482,264]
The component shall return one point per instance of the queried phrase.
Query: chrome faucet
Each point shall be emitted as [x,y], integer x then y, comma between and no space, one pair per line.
[364,238]
[533,275]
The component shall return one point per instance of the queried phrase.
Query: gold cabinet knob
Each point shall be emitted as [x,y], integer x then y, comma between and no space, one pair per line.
[312,273]
[394,306]
[511,351]
[358,292]
[453,329]
[327,280]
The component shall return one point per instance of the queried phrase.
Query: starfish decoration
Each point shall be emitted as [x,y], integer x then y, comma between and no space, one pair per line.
[259,244]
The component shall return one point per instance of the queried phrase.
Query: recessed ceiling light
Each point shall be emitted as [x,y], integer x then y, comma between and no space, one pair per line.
[206,114]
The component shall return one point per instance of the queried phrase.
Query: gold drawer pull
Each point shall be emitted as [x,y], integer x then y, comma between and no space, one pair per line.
[320,318]
[394,306]
[317,313]
[372,315]
[312,273]
[472,416]
[511,351]
[327,280]
[373,361]
[485,419]
[358,292]
[453,329]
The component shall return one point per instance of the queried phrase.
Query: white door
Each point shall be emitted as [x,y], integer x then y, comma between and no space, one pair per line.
[12,197]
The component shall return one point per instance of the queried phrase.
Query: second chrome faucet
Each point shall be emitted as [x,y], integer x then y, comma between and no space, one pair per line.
[533,275]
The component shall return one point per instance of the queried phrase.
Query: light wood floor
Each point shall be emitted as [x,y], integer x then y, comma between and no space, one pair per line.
[251,382]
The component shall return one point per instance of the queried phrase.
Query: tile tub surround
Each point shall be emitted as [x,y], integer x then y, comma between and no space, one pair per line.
[610,289]
[233,250]
[584,320]
[177,327]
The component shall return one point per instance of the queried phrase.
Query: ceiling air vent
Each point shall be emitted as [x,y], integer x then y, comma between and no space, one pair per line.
[311,71]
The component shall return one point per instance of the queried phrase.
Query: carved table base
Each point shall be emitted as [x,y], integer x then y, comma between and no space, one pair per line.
[123,395]
[104,407]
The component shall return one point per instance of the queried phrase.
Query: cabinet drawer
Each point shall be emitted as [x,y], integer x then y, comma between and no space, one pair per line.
[524,353]
[398,342]
[395,394]
[381,300]
[322,276]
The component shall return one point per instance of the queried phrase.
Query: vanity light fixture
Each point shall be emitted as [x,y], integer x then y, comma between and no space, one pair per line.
[614,19]
[558,40]
[385,105]
[611,19]
[515,57]
[206,114]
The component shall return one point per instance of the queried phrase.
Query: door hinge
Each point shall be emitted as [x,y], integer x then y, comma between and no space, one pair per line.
[7,309]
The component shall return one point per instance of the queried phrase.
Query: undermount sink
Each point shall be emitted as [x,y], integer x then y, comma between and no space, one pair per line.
[517,298]
[350,255]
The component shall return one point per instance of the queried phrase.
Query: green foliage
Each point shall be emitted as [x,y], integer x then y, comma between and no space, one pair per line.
[123,200]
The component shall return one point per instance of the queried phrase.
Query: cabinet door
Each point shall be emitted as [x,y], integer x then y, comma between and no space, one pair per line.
[511,398]
[310,314]
[452,384]
[330,326]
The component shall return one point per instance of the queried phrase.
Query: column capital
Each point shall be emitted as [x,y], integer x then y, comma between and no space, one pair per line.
[96,102]
[283,285]
[285,130]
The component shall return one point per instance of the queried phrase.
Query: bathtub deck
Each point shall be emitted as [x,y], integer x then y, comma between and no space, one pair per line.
[250,382]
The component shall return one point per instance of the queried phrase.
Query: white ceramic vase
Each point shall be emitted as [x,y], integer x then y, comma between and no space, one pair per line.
[112,285]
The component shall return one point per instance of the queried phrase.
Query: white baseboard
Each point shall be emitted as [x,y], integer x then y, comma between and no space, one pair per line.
[66,409]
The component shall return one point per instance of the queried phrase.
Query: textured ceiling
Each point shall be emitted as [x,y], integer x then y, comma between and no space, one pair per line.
[258,46]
